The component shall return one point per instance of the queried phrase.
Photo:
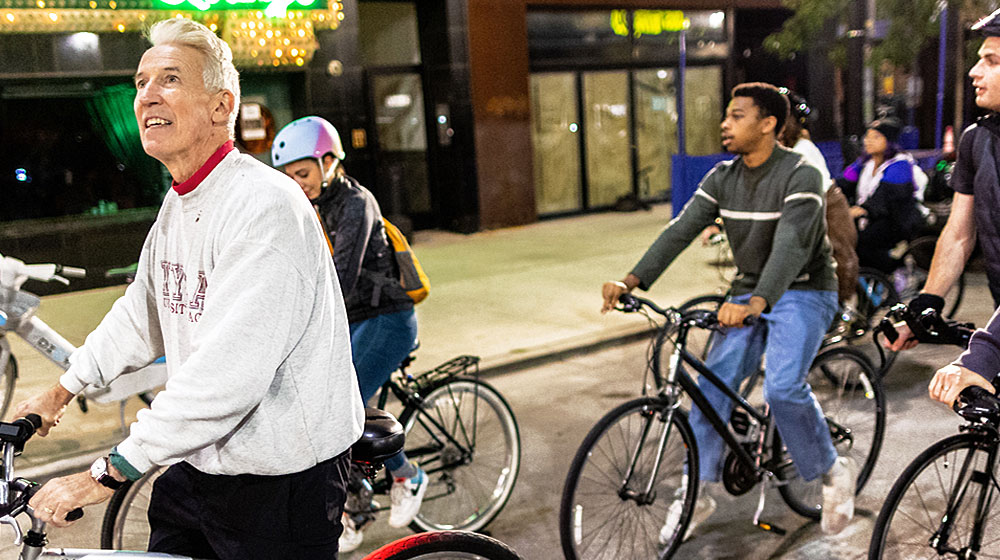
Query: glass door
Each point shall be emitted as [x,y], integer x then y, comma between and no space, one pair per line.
[703,106]
[655,130]
[607,139]
[555,141]
[401,172]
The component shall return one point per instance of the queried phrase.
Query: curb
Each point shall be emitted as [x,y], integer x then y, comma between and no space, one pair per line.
[81,460]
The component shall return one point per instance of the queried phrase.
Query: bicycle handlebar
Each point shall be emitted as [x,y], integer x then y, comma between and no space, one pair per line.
[14,272]
[928,326]
[13,436]
[701,318]
[978,405]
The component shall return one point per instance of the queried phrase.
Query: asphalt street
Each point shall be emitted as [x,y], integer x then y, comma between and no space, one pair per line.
[557,403]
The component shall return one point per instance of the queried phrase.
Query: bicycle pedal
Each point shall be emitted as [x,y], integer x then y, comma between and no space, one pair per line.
[771,528]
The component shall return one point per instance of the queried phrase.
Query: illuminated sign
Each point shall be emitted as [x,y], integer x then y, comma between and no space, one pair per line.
[271,8]
[648,22]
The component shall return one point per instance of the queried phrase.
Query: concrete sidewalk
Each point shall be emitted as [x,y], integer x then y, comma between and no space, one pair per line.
[514,297]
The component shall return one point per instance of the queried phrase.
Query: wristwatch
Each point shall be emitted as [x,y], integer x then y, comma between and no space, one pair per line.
[99,472]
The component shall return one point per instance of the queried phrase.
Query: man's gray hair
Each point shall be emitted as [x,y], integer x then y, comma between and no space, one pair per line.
[218,71]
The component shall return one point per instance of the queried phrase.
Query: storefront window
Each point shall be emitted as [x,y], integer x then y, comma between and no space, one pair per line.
[74,155]
[387,33]
[703,103]
[608,139]
[655,129]
[560,37]
[555,136]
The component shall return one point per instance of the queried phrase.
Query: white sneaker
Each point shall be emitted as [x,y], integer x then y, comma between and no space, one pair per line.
[704,507]
[838,495]
[406,494]
[351,538]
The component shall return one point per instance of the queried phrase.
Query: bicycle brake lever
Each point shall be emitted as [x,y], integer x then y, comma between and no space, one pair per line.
[18,535]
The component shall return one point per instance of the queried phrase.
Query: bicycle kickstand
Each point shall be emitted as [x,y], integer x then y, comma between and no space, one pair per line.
[760,509]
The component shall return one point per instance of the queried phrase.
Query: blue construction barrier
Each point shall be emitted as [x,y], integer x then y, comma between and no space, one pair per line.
[696,167]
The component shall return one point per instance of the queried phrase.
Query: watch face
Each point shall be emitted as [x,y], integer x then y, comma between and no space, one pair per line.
[99,467]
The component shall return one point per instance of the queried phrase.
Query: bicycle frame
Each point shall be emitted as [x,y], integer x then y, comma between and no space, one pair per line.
[412,399]
[678,376]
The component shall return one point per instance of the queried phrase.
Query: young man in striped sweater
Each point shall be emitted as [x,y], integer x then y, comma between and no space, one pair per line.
[771,205]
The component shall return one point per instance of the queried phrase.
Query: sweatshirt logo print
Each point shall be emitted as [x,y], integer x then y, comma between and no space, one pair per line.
[175,295]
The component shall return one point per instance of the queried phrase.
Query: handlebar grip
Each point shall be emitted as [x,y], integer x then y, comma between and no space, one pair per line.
[978,395]
[74,515]
[35,420]
[72,271]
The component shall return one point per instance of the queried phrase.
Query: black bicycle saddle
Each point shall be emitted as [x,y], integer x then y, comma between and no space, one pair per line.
[383,437]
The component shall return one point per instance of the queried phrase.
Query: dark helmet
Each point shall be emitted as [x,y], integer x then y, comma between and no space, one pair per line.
[798,108]
[988,26]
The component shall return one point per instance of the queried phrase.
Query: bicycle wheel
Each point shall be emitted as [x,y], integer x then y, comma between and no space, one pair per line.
[699,340]
[466,439]
[125,526]
[876,295]
[933,507]
[853,402]
[604,514]
[445,545]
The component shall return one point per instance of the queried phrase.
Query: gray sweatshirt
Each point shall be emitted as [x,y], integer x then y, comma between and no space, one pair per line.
[237,289]
[774,219]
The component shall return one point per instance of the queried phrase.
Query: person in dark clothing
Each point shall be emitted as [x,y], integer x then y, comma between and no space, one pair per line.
[383,324]
[975,206]
[882,187]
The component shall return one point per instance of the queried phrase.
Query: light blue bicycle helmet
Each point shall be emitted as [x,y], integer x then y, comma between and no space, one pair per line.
[308,137]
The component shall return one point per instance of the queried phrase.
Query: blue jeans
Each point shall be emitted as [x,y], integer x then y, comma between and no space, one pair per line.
[378,346]
[790,336]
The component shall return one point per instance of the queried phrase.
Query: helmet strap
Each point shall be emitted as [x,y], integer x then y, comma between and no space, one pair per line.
[328,174]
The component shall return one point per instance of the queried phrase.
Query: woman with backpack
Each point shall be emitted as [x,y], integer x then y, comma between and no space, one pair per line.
[839,225]
[883,186]
[382,322]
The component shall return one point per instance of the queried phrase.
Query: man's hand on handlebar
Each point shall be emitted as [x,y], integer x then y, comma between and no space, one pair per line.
[59,496]
[949,381]
[611,291]
[735,314]
[50,405]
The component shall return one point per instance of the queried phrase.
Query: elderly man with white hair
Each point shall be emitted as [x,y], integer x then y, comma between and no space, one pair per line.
[236,288]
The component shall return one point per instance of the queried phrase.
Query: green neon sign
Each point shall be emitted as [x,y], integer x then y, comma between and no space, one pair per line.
[271,8]
[648,22]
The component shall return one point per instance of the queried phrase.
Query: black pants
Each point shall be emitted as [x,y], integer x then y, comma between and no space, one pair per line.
[250,516]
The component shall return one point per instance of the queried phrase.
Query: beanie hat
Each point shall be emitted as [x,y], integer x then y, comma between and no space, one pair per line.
[988,26]
[888,127]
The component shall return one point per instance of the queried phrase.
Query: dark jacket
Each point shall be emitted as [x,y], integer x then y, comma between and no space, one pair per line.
[362,255]
[892,208]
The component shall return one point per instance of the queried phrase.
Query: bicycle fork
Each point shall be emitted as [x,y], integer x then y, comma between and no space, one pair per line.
[647,496]
[988,485]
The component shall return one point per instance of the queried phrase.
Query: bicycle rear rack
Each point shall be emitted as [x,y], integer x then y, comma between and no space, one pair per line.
[459,365]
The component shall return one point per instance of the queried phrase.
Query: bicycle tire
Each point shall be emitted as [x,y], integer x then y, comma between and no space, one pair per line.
[634,533]
[125,526]
[7,383]
[465,492]
[445,545]
[915,507]
[851,395]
